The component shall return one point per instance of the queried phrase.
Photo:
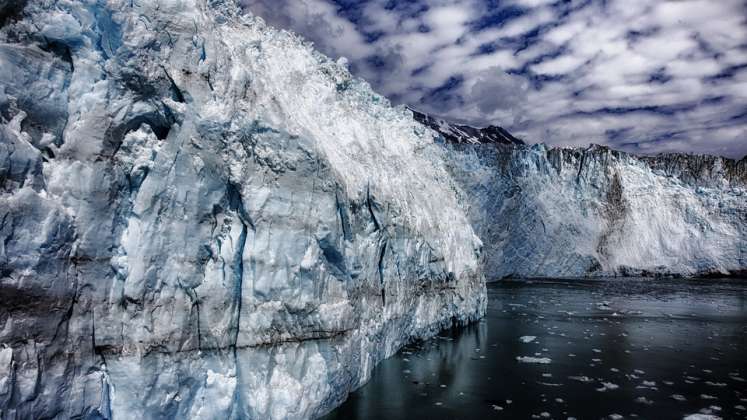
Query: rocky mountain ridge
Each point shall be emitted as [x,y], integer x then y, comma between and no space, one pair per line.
[460,133]
[689,167]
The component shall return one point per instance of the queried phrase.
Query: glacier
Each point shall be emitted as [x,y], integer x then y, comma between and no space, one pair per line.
[596,212]
[203,217]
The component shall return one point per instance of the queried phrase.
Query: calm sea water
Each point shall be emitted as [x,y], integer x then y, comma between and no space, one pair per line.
[633,348]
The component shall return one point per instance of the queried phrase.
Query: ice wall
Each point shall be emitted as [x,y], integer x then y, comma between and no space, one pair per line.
[598,212]
[202,217]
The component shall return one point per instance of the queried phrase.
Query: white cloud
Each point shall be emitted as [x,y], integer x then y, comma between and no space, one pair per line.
[560,65]
[448,23]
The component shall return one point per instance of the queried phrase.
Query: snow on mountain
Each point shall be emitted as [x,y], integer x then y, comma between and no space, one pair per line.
[202,217]
[457,133]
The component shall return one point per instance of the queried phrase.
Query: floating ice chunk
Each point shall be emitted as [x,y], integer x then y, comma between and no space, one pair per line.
[701,417]
[643,400]
[530,359]
[548,383]
[527,338]
[716,384]
[608,386]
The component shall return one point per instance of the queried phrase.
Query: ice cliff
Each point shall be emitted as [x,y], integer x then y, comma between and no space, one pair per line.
[202,217]
[558,212]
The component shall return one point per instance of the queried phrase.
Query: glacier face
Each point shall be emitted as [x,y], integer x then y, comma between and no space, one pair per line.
[201,217]
[598,212]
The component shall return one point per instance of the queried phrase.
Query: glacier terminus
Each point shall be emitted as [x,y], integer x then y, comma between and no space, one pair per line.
[201,216]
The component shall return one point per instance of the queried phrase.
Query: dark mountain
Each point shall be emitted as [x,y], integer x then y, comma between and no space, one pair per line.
[456,133]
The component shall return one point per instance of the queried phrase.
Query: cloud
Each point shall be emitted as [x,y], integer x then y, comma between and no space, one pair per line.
[637,75]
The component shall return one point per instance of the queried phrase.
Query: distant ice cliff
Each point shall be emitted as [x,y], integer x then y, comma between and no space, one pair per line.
[597,212]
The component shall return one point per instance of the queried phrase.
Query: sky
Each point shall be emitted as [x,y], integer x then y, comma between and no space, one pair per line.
[645,76]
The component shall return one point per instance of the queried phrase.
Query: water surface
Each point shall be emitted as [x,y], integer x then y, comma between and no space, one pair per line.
[636,348]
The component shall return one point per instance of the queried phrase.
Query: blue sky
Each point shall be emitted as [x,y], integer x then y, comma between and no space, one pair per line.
[645,76]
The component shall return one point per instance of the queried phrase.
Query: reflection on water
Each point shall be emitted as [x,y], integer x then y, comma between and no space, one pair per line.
[644,348]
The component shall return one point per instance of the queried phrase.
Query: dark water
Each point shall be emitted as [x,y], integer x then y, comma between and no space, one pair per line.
[636,348]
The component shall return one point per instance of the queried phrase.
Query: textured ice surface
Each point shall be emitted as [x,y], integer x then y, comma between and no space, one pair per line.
[597,212]
[202,217]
